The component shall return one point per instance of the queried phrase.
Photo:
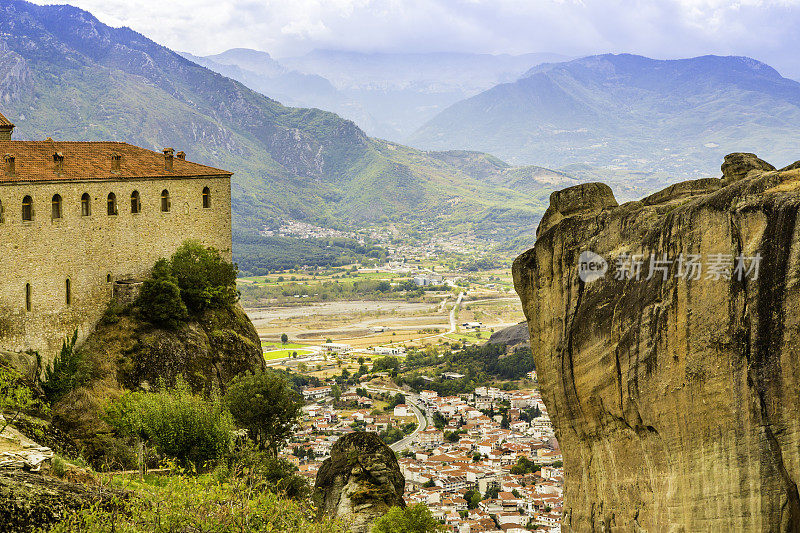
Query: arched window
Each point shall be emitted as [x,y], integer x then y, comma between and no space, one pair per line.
[136,203]
[28,297]
[27,209]
[165,203]
[108,278]
[206,197]
[68,292]
[86,205]
[56,206]
[112,203]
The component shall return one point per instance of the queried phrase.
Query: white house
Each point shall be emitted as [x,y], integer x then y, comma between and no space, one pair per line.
[314,393]
[333,347]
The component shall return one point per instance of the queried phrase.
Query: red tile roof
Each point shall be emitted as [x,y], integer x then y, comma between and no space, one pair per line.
[4,121]
[91,161]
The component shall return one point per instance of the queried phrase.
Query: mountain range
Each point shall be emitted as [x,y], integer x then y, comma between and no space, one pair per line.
[628,112]
[388,95]
[64,74]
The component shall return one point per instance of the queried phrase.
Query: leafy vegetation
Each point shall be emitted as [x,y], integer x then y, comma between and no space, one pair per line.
[413,519]
[204,277]
[258,255]
[193,279]
[195,431]
[237,503]
[478,364]
[68,370]
[266,406]
[16,397]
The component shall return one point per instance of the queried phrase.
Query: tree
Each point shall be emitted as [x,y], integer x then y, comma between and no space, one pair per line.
[160,302]
[473,498]
[336,392]
[284,338]
[266,406]
[204,277]
[396,400]
[67,371]
[413,519]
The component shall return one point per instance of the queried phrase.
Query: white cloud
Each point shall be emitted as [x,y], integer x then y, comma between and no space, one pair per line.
[765,29]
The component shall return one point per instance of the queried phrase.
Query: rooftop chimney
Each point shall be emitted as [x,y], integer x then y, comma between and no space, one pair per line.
[10,163]
[116,162]
[168,154]
[6,128]
[181,155]
[58,159]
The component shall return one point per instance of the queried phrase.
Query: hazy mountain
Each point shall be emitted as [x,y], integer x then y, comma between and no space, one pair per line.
[258,71]
[66,75]
[389,95]
[629,112]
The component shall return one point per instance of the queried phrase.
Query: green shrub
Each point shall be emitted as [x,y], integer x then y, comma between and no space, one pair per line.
[413,519]
[160,303]
[199,503]
[58,466]
[266,406]
[194,431]
[267,473]
[68,371]
[204,277]
[16,397]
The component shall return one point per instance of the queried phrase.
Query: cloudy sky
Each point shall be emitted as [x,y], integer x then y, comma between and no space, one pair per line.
[764,29]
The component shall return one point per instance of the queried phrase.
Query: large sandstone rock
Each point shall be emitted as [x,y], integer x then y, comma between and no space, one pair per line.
[360,481]
[676,401]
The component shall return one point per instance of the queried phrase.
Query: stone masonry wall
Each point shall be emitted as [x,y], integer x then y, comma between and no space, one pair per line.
[93,251]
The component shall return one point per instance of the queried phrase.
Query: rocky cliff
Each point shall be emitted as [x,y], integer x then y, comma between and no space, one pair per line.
[359,482]
[125,352]
[672,373]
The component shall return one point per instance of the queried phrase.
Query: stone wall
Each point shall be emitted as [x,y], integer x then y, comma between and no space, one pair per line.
[94,251]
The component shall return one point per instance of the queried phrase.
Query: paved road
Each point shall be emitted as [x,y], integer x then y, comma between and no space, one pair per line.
[412,400]
[453,314]
[422,424]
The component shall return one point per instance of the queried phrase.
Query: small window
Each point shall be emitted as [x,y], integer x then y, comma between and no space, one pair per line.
[56,206]
[112,203]
[2,218]
[68,292]
[28,297]
[206,197]
[27,209]
[108,278]
[165,202]
[86,205]
[136,203]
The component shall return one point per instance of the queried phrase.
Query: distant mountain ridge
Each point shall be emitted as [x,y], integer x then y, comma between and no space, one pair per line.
[65,75]
[628,111]
[389,95]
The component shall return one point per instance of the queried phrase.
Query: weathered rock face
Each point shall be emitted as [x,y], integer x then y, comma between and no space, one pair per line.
[127,353]
[360,481]
[513,336]
[676,401]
